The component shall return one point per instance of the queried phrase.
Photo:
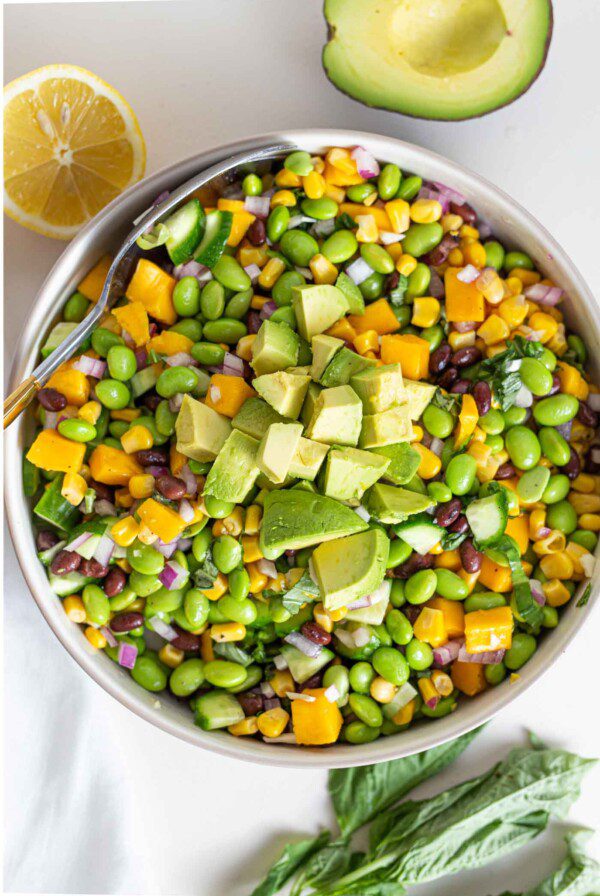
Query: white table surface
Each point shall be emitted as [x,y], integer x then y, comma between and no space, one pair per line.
[98,801]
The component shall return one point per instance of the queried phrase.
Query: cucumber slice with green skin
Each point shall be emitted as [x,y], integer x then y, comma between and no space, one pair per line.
[217,709]
[57,335]
[69,584]
[420,533]
[216,233]
[304,667]
[142,381]
[46,557]
[488,517]
[31,478]
[54,509]
[185,228]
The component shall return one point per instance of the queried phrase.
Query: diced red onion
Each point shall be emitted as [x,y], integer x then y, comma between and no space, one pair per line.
[253,272]
[186,511]
[266,689]
[254,322]
[402,697]
[166,548]
[50,419]
[487,658]
[184,544]
[324,228]
[291,556]
[447,652]
[267,310]
[127,655]
[544,295]
[332,694]
[437,446]
[451,194]
[362,512]
[565,429]
[366,163]
[104,508]
[127,338]
[388,238]
[543,532]
[104,550]
[468,274]
[361,636]
[359,270]
[382,592]
[78,542]
[304,645]
[233,365]
[90,366]
[267,568]
[433,701]
[485,231]
[173,575]
[593,400]
[161,628]
[272,703]
[181,359]
[257,205]
[361,603]
[537,592]
[175,402]
[294,695]
[306,272]
[523,398]
[191,483]
[192,269]
[297,220]
[112,641]
[280,662]
[465,326]
[141,358]
[287,738]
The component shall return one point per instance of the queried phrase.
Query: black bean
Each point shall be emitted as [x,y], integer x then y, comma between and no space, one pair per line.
[257,232]
[126,622]
[466,356]
[439,359]
[483,397]
[65,562]
[52,399]
[114,582]
[448,512]
[470,558]
[448,378]
[46,539]
[460,525]
[587,416]
[572,467]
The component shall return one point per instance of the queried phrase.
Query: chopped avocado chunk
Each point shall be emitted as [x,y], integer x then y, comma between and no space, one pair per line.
[295,519]
[448,61]
[277,448]
[349,472]
[337,417]
[351,567]
[420,532]
[390,504]
[317,308]
[255,416]
[284,391]
[404,462]
[417,395]
[354,297]
[386,428]
[323,350]
[304,667]
[343,366]
[234,472]
[275,348]
[379,388]
[299,371]
[308,408]
[307,460]
[201,431]
[375,613]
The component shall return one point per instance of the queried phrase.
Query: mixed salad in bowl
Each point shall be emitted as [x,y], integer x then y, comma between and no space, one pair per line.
[330,465]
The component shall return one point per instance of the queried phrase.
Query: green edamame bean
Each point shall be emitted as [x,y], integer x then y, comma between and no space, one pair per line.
[358,733]
[399,627]
[418,281]
[216,616]
[76,308]
[188,326]
[523,647]
[145,559]
[523,447]
[360,192]
[212,300]
[117,428]
[224,674]
[555,410]
[208,353]
[277,223]
[226,329]
[549,616]
[97,607]
[535,376]
[422,238]
[557,489]
[399,552]
[492,422]
[514,417]
[299,247]
[77,430]
[484,600]
[243,611]
[391,665]
[340,246]
[299,162]
[187,677]
[103,340]
[201,544]
[494,255]
[419,655]
[443,708]
[384,636]
[434,336]
[230,274]
[495,673]
[388,182]
[216,508]
[548,359]
[112,443]
[450,586]
[113,394]
[586,539]
[496,443]
[532,483]
[403,315]
[238,305]
[282,289]
[227,553]
[409,188]
[164,601]
[554,446]
[322,209]
[252,185]
[420,586]
[562,516]
[366,709]
[195,607]
[186,297]
[123,600]
[372,288]
[165,419]
[254,674]
[278,611]
[239,584]
[577,345]
[361,676]
[460,474]
[175,379]
[514,260]
[142,584]
[338,677]
[438,422]
[397,598]
[439,491]
[377,258]
[149,673]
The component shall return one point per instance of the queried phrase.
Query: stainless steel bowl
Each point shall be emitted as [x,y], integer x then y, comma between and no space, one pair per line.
[510,222]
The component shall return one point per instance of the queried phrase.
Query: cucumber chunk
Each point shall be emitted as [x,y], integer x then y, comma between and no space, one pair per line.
[216,233]
[185,228]
[53,508]
[217,709]
[69,584]
[57,335]
[488,517]
[304,667]
[420,533]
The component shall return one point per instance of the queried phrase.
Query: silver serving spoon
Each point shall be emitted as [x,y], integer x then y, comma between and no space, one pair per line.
[120,271]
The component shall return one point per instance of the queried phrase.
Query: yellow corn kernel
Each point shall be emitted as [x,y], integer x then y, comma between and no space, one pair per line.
[395,250]
[427,689]
[282,682]
[417,433]
[314,185]
[271,273]
[514,286]
[90,411]
[576,552]
[527,278]
[468,232]
[334,192]
[253,519]
[527,567]
[273,722]
[322,617]
[551,544]
[141,486]
[398,211]
[404,716]
[430,464]
[251,549]
[425,211]
[437,549]
[246,727]
[339,614]
[73,607]
[283,197]
[458,340]
[426,312]
[171,656]
[557,566]
[206,647]
[145,535]
[456,257]
[319,164]
[126,414]
[383,691]
[584,483]
[138,438]
[478,449]
[123,498]
[451,223]
[513,311]
[584,503]
[244,347]
[95,637]
[257,302]
[253,255]
[474,254]
[230,205]
[493,330]
[228,631]
[442,683]
[73,488]
[258,580]
[406,264]
[218,589]
[367,229]
[229,525]
[556,593]
[590,521]
[490,285]
[366,342]
[124,564]
[285,178]
[543,324]
[322,269]
[579,432]
[279,583]
[537,522]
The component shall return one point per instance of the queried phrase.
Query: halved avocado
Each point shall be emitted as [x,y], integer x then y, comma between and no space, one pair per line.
[442,59]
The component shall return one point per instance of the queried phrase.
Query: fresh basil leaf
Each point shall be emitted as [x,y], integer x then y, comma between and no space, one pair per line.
[536,742]
[328,864]
[579,874]
[259,654]
[359,794]
[451,540]
[397,296]
[345,222]
[447,402]
[232,653]
[584,597]
[304,590]
[288,863]
[527,607]
[498,371]
[205,576]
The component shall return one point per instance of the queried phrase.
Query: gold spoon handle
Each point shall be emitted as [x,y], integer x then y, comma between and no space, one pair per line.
[18,400]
